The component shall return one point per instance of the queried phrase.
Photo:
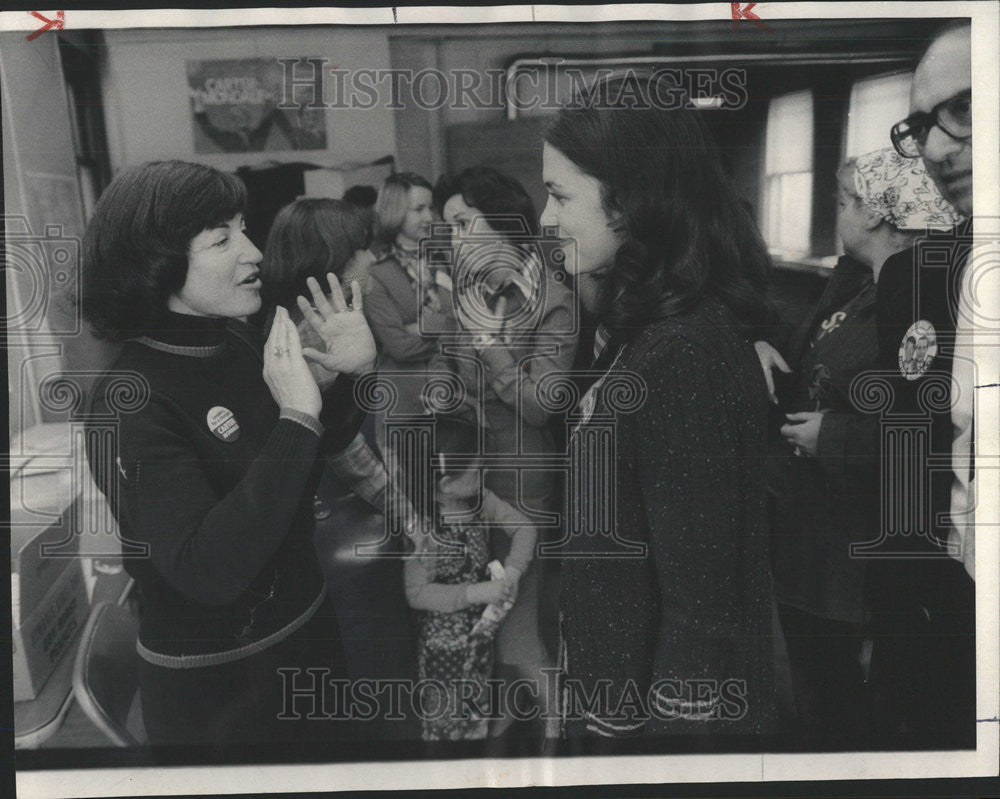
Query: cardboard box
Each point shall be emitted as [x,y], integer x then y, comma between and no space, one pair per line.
[35,571]
[48,592]
[45,635]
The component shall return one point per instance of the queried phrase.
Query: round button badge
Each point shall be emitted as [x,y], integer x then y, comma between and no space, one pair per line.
[917,350]
[223,424]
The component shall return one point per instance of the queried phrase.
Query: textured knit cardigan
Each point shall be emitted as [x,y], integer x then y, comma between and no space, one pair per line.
[678,639]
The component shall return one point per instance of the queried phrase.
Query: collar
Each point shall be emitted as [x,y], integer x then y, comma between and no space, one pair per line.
[409,260]
[184,334]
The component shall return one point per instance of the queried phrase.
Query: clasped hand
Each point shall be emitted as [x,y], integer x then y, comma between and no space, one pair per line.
[493,592]
[286,373]
[803,433]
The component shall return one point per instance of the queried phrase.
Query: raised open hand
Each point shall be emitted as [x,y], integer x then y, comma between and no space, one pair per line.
[349,344]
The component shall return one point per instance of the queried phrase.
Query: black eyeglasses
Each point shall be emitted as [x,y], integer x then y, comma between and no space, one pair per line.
[953,116]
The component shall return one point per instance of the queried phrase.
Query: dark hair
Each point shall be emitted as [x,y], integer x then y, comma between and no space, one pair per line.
[502,200]
[441,193]
[686,233]
[309,237]
[911,340]
[453,435]
[393,203]
[361,196]
[136,247]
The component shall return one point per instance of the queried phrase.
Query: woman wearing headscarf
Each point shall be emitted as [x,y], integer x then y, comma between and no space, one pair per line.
[825,479]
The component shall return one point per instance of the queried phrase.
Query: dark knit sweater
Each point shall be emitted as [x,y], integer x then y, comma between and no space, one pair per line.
[823,504]
[231,566]
[921,284]
[685,629]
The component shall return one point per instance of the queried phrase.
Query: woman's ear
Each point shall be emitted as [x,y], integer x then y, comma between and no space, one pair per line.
[872,219]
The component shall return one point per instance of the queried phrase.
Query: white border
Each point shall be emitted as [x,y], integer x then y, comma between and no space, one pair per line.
[619,769]
[438,15]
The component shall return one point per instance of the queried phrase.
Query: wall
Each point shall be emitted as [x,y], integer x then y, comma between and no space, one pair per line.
[495,47]
[424,146]
[149,113]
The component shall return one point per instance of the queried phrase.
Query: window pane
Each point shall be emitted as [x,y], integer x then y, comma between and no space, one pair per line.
[789,142]
[796,211]
[876,105]
[788,164]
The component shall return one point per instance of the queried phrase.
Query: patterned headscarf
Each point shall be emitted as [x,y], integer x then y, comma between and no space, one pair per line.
[901,192]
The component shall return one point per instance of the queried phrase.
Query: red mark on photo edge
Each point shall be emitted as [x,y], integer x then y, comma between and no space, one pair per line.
[746,13]
[58,23]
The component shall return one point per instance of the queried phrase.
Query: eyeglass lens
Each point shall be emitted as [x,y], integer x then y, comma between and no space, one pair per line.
[953,116]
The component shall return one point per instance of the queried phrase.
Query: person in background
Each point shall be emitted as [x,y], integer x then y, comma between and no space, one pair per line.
[449,583]
[923,661]
[215,463]
[361,196]
[825,475]
[401,294]
[682,610]
[517,323]
[364,198]
[310,241]
[313,237]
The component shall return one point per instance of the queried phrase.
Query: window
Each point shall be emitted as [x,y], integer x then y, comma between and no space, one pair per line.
[788,173]
[877,103]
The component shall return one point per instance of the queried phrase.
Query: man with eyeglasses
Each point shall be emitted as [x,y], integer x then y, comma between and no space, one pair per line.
[923,596]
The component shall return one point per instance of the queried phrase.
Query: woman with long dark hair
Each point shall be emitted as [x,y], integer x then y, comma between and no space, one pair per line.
[216,456]
[666,596]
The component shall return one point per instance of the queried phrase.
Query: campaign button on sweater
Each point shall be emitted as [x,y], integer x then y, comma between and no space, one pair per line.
[223,424]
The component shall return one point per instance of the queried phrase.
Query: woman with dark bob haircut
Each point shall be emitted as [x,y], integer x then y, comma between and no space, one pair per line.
[667,603]
[518,321]
[218,448]
[311,237]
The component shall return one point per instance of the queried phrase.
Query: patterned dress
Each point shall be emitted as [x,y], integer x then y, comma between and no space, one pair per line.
[445,652]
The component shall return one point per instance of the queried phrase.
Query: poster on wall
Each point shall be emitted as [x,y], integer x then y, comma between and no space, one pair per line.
[235,108]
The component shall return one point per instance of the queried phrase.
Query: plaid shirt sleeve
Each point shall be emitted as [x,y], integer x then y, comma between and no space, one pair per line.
[361,469]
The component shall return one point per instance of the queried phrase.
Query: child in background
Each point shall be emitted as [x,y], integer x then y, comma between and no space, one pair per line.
[449,581]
